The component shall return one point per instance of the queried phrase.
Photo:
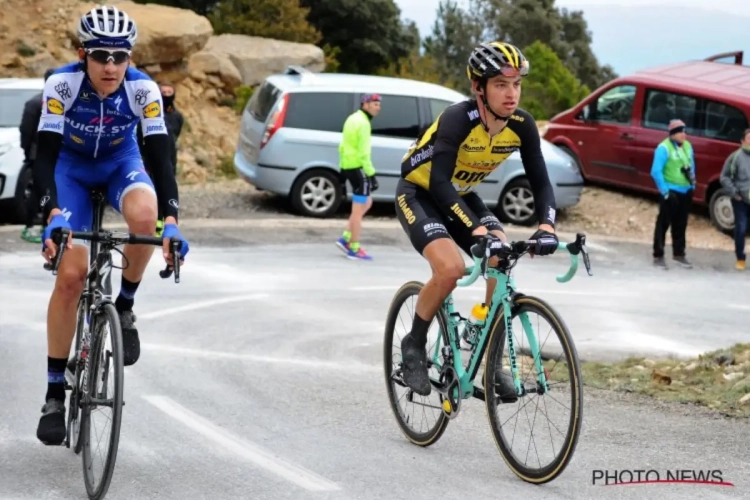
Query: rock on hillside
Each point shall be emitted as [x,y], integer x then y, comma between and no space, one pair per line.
[173,44]
[256,57]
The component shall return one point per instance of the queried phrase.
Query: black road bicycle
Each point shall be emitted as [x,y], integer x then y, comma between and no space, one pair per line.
[88,372]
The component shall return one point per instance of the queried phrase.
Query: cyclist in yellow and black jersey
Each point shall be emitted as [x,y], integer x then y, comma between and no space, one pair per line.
[436,204]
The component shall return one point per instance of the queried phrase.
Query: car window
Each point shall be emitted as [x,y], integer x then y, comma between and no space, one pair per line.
[613,106]
[437,106]
[660,107]
[724,122]
[399,117]
[11,105]
[262,101]
[318,110]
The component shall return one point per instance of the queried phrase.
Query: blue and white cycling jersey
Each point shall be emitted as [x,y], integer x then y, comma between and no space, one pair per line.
[99,144]
[98,128]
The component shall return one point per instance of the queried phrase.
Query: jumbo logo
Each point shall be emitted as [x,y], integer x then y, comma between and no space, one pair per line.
[54,106]
[153,110]
[461,215]
[408,214]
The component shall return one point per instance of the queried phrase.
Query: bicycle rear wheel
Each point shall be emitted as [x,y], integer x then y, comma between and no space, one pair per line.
[104,383]
[420,405]
[569,375]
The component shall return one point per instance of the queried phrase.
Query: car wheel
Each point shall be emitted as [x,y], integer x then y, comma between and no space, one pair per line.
[516,204]
[317,193]
[721,212]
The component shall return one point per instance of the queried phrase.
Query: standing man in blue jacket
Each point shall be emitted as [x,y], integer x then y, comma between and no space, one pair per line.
[673,171]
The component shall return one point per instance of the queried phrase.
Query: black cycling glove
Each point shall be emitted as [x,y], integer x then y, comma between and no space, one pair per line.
[546,242]
[373,183]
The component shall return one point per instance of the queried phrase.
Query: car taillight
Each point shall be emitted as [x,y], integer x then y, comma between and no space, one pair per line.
[276,121]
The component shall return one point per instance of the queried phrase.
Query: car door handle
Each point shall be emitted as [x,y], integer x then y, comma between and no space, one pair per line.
[627,136]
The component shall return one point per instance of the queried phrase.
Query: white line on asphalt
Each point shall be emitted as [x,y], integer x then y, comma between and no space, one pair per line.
[201,305]
[309,363]
[263,458]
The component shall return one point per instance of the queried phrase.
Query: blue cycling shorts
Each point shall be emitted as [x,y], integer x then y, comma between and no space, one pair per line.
[76,176]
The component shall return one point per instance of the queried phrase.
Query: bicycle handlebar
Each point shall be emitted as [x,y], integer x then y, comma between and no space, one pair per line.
[514,250]
[115,238]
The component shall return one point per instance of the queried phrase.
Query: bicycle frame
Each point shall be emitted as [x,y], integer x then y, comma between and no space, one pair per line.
[503,296]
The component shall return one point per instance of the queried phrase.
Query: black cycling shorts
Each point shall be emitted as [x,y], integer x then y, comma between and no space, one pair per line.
[424,222]
[359,181]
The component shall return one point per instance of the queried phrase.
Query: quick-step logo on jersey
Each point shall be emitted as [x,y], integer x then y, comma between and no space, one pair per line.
[95,126]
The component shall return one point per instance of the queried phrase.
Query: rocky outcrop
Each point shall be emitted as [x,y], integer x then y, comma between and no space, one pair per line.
[173,44]
[166,35]
[256,58]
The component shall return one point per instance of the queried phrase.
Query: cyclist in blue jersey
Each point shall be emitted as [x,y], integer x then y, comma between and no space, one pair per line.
[87,140]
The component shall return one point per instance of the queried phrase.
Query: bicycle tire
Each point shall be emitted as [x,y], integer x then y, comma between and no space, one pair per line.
[105,314]
[525,303]
[431,436]
[74,410]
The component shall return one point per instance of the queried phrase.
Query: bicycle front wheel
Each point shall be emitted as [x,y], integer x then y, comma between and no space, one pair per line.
[104,384]
[562,371]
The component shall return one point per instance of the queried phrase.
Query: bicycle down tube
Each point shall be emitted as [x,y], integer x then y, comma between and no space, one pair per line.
[504,291]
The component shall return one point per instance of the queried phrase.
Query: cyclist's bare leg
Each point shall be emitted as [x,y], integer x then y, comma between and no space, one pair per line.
[140,212]
[63,304]
[61,323]
[448,267]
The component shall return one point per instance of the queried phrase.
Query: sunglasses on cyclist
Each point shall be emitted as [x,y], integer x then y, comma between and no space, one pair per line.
[510,71]
[103,56]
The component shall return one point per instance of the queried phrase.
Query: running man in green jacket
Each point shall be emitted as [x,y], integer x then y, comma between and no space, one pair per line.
[355,161]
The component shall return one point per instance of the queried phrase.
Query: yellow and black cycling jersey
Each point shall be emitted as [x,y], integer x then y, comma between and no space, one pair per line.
[456,153]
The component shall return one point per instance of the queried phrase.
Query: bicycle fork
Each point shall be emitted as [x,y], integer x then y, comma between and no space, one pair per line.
[521,390]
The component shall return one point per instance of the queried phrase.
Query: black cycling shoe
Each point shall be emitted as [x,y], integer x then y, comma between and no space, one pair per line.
[504,386]
[415,366]
[51,430]
[131,343]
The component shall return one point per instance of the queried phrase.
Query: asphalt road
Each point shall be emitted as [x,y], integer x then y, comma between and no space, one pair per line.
[261,376]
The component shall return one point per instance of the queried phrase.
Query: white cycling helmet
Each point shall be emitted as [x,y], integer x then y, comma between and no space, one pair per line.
[107,27]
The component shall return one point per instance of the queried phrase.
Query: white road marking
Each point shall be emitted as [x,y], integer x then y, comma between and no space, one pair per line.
[308,363]
[201,305]
[249,451]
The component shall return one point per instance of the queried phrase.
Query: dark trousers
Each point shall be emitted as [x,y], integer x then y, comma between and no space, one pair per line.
[673,213]
[741,216]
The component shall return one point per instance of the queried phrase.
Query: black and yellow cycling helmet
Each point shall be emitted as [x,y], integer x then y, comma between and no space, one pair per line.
[496,58]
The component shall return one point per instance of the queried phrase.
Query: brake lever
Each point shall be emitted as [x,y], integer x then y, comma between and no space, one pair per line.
[57,238]
[165,273]
[586,261]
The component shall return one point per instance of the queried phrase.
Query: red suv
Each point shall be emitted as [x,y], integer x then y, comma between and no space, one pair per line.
[614,131]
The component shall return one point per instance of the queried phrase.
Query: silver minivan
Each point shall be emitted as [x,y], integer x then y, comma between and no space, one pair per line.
[291,129]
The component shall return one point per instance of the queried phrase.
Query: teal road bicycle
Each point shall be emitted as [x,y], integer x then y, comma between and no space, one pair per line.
[536,394]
